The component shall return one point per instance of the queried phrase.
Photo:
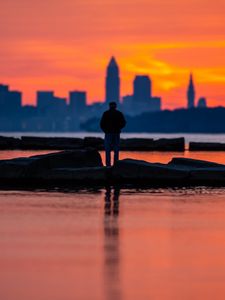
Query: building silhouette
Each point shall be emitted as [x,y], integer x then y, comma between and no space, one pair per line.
[155,104]
[202,103]
[191,93]
[15,100]
[77,102]
[49,104]
[141,100]
[112,84]
[10,101]
[44,100]
[142,89]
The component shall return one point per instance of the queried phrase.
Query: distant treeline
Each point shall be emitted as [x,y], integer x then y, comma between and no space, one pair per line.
[196,120]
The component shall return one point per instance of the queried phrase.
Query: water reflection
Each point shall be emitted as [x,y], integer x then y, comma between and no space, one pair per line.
[112,244]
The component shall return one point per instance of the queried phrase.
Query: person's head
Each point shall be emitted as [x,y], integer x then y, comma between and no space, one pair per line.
[112,105]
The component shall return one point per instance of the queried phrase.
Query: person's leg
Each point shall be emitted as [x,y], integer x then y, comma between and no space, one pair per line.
[116,146]
[108,149]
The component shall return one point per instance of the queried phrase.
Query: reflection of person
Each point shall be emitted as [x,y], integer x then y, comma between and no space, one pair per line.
[112,259]
[111,123]
[112,200]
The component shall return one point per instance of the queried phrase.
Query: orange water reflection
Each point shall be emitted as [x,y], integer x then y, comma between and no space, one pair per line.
[157,244]
[10,154]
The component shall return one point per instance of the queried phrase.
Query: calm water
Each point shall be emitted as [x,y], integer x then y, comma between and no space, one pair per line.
[152,244]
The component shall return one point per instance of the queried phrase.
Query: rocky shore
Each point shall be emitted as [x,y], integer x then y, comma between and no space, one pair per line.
[85,168]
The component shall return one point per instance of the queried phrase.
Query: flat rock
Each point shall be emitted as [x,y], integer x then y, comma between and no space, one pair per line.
[176,144]
[93,174]
[208,176]
[59,143]
[67,159]
[178,171]
[9,143]
[33,166]
[196,146]
[136,144]
[131,169]
[94,142]
[189,163]
[142,144]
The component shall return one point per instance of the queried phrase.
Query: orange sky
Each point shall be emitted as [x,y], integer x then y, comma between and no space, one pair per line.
[65,45]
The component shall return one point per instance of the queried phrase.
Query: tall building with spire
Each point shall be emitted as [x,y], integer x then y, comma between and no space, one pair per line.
[112,84]
[191,93]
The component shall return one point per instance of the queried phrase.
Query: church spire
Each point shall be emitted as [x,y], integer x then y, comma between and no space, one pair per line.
[112,84]
[191,93]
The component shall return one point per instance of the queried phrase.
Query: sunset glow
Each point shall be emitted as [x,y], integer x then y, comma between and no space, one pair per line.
[66,45]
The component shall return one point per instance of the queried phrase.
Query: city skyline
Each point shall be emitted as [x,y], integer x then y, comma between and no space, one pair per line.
[46,45]
[112,90]
[121,95]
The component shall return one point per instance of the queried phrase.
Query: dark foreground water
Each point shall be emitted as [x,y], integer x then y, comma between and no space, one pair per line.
[128,244]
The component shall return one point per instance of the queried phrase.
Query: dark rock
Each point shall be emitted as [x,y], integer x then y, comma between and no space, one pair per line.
[139,144]
[177,144]
[93,174]
[7,143]
[208,176]
[16,168]
[194,146]
[137,170]
[63,143]
[94,142]
[67,159]
[190,163]
[37,166]
[13,169]
[58,143]
[200,171]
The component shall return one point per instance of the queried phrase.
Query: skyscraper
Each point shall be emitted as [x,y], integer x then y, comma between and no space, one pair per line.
[77,102]
[10,101]
[44,99]
[112,84]
[142,89]
[191,93]
[14,101]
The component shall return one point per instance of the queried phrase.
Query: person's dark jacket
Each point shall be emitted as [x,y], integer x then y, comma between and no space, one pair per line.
[112,121]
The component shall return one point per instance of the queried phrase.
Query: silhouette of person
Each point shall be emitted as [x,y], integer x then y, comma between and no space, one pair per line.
[111,123]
